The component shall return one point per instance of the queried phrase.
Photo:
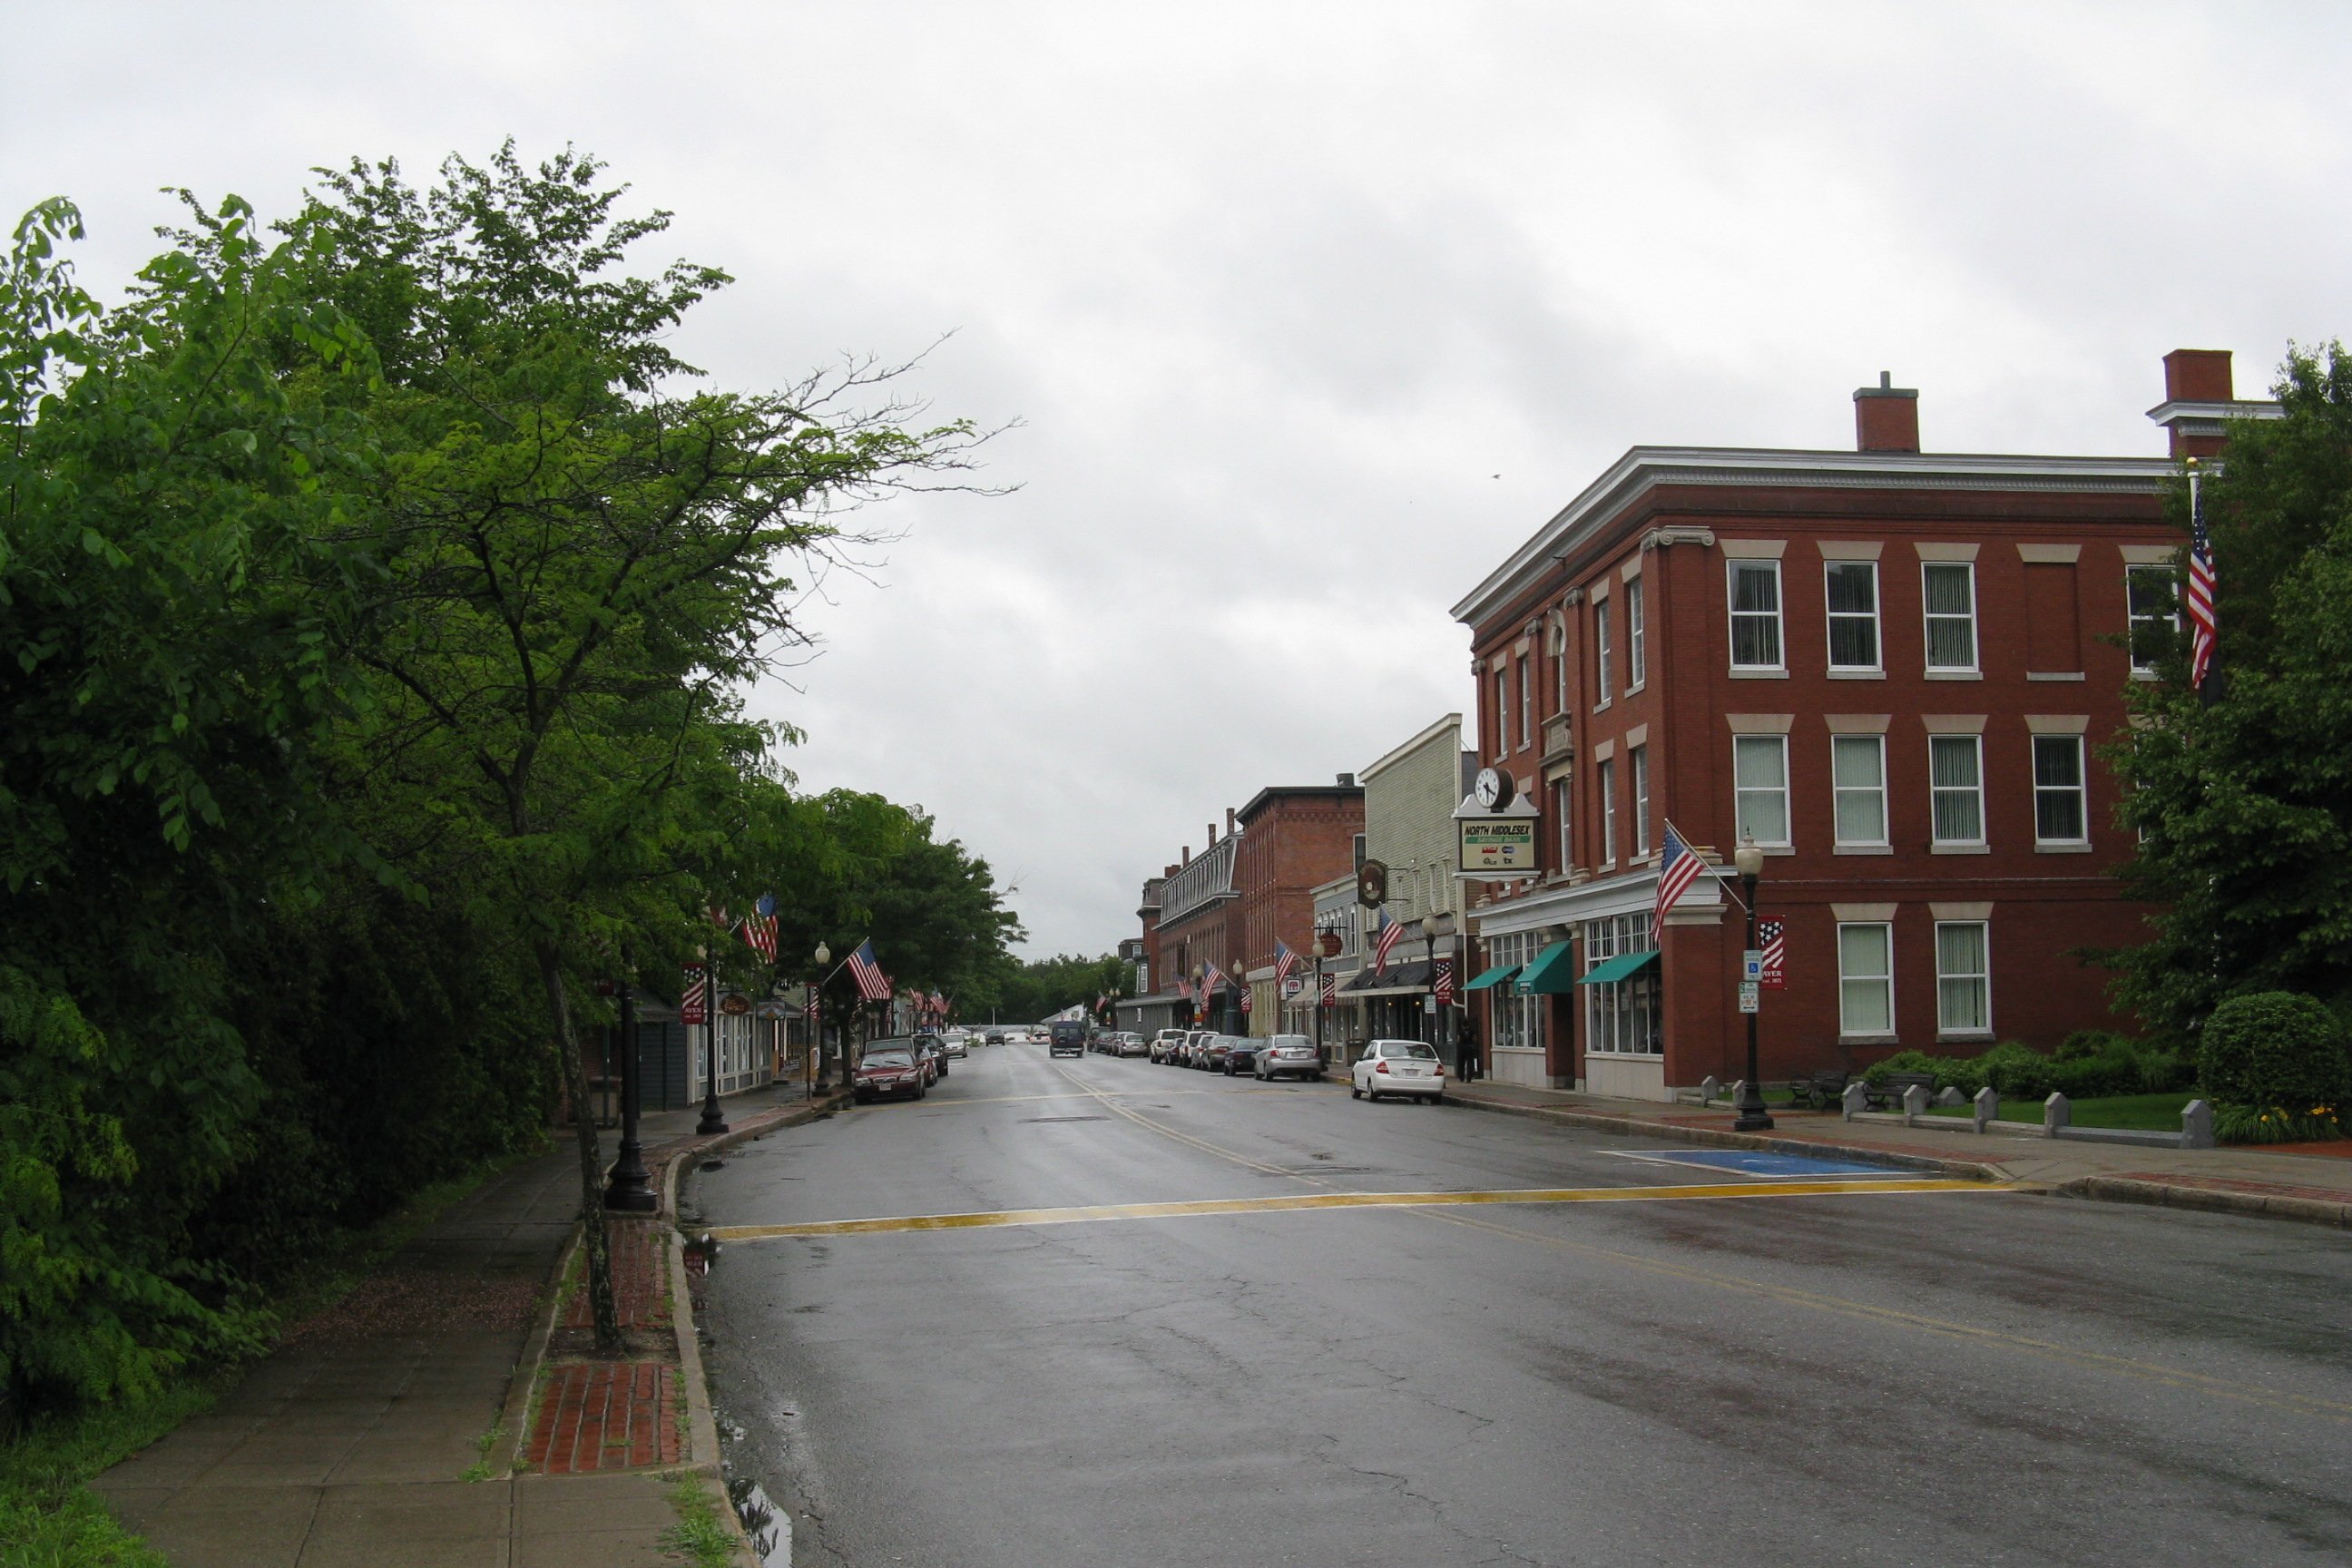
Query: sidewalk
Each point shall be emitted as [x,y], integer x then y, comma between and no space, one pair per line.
[352,1444]
[2278,1183]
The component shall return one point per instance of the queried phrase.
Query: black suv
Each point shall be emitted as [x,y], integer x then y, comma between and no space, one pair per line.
[1068,1038]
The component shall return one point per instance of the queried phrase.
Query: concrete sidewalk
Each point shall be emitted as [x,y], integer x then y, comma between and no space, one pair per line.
[2275,1182]
[351,1444]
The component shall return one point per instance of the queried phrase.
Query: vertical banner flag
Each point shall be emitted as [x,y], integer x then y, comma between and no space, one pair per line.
[694,1001]
[1390,930]
[1245,1001]
[1773,935]
[1441,981]
[2199,599]
[1330,990]
[872,984]
[1678,869]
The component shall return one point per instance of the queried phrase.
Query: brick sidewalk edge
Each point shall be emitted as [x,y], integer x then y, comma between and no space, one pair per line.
[2212,1200]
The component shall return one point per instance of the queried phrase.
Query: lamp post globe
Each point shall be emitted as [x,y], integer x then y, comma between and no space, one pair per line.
[1747,858]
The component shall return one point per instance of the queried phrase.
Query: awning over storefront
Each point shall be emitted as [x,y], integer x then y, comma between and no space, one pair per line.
[1493,976]
[1552,972]
[1399,979]
[1623,967]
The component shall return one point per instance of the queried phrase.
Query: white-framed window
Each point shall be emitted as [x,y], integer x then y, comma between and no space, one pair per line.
[1561,792]
[1759,782]
[1637,653]
[1639,760]
[1514,1021]
[1955,788]
[1963,977]
[1756,614]
[1605,778]
[1865,978]
[1858,783]
[1622,1017]
[2152,596]
[2062,813]
[1947,590]
[1853,587]
[1502,712]
[1527,705]
[1600,652]
[1560,676]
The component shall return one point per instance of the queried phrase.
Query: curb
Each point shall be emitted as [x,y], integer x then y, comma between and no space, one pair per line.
[2210,1200]
[1718,1138]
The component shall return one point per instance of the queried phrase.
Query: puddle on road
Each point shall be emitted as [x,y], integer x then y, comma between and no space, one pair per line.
[770,1527]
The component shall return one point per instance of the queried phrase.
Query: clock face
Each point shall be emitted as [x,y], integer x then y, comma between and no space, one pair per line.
[1494,788]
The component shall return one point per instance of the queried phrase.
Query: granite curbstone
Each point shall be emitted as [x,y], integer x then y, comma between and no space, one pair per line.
[2210,1200]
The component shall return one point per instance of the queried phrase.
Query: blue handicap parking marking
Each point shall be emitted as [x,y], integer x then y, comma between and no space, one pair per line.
[1765,1167]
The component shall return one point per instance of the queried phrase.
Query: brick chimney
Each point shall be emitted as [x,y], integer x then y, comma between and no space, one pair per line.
[1886,417]
[2197,376]
[1188,855]
[1212,835]
[1229,822]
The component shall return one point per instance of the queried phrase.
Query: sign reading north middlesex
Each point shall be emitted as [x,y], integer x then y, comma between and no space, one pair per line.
[1499,843]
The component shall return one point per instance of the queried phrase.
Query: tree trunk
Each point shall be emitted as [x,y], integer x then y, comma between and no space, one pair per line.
[591,1159]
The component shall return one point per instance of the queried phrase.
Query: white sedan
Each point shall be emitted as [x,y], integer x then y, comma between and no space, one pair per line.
[1398,1068]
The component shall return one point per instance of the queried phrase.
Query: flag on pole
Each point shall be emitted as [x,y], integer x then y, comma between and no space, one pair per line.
[1284,961]
[2199,598]
[760,935]
[1389,932]
[1773,935]
[1678,869]
[1441,982]
[1184,989]
[1330,990]
[872,984]
[1211,981]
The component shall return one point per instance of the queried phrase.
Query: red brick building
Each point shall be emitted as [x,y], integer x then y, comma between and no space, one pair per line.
[1896,670]
[1293,838]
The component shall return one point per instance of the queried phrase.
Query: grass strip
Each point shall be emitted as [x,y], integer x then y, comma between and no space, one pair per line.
[700,1533]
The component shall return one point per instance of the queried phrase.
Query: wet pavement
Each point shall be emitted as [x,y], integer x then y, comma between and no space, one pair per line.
[1123,1314]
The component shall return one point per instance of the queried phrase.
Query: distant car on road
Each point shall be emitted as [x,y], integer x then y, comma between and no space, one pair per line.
[1131,1043]
[956,1042]
[1241,1055]
[892,1067]
[1189,1054]
[1287,1054]
[1069,1038]
[934,1050]
[1398,1068]
[1165,1045]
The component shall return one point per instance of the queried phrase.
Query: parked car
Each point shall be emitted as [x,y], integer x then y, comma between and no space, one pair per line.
[1241,1055]
[1195,1044]
[1069,1038]
[957,1042]
[892,1067]
[1393,1067]
[936,1050]
[1286,1054]
[1131,1043]
[1165,1045]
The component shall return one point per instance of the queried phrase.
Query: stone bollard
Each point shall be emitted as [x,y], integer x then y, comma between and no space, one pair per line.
[1706,1088]
[2195,1125]
[1915,1104]
[1856,1097]
[2056,1112]
[1988,1105]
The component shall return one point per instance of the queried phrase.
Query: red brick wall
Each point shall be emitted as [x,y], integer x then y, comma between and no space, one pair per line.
[1291,844]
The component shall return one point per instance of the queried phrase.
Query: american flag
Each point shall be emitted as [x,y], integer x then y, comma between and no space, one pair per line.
[1390,930]
[1330,990]
[1184,989]
[1773,934]
[759,932]
[1211,981]
[1441,982]
[872,984]
[1677,870]
[2201,625]
[1284,961]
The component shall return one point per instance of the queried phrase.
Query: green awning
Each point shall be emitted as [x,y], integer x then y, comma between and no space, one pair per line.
[1550,975]
[1493,976]
[1623,967]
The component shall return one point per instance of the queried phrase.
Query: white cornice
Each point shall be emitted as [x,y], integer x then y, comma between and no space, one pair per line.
[1645,468]
[1451,722]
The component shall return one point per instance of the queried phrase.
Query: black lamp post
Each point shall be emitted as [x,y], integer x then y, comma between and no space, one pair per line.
[628,1189]
[1749,861]
[824,956]
[712,1121]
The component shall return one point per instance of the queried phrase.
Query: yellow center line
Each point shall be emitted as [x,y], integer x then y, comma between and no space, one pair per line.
[1091,1094]
[1280,1203]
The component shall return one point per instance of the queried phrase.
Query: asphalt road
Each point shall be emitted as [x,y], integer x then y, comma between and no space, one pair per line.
[1715,1370]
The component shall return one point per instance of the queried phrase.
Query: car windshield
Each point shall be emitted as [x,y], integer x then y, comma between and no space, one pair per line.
[890,1060]
[1414,1053]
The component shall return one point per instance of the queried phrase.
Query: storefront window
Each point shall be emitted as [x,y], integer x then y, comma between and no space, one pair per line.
[1622,1016]
[1514,1021]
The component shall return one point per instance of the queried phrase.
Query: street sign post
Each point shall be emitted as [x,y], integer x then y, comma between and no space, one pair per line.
[1751,964]
[1747,996]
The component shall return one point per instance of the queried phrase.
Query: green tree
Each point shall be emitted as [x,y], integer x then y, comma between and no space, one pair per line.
[2246,804]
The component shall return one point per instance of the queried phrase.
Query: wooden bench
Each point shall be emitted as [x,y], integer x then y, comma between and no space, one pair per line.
[1821,1091]
[1888,1096]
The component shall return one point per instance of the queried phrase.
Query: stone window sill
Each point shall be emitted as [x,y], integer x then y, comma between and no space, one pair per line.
[1954,675]
[1963,1037]
[2062,849]
[1863,849]
[1857,675]
[1869,1040]
[1738,674]
[1960,849]
[2045,675]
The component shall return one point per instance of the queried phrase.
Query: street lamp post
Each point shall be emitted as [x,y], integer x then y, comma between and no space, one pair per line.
[712,1121]
[1749,860]
[628,1189]
[1435,927]
[824,956]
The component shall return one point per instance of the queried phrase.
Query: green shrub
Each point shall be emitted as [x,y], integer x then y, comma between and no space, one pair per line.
[2086,1042]
[2273,1050]
[2252,1124]
[1877,1073]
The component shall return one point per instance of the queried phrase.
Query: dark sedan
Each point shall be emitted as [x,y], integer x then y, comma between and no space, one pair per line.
[892,1067]
[1240,1055]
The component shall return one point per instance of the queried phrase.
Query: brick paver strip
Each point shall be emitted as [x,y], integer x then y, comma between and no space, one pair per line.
[637,1270]
[606,1415]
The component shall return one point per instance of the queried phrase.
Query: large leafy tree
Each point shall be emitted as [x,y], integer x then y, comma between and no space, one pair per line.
[2245,803]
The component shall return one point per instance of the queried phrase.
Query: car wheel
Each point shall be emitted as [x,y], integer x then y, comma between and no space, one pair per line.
[1355,1091]
[1437,1099]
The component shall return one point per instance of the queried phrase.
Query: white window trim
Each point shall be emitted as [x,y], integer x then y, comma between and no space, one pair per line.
[1837,838]
[1604,777]
[1639,775]
[1732,567]
[1787,807]
[1974,669]
[1637,662]
[1527,703]
[1873,1036]
[1601,653]
[1956,846]
[1502,710]
[2131,622]
[1877,666]
[1944,1028]
[2080,789]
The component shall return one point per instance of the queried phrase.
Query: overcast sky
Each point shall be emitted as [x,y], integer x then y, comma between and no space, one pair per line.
[1307,313]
